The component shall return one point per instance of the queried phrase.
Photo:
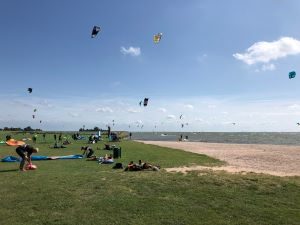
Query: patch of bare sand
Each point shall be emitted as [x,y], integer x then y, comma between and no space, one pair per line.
[278,160]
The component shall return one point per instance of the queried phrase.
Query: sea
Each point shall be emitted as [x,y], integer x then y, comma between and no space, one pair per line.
[274,138]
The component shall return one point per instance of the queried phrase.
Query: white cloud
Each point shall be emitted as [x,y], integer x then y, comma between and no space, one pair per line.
[189,106]
[139,122]
[212,106]
[201,58]
[132,110]
[104,109]
[171,117]
[162,110]
[264,52]
[268,67]
[131,51]
[74,115]
[294,106]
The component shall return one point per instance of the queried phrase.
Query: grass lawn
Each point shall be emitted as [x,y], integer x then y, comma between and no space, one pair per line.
[84,192]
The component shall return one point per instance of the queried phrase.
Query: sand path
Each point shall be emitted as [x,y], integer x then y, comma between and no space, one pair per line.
[278,160]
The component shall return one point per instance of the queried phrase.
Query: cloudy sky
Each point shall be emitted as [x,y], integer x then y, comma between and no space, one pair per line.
[218,63]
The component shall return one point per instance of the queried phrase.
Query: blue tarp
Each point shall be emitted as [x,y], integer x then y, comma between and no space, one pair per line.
[66,157]
[10,159]
[39,157]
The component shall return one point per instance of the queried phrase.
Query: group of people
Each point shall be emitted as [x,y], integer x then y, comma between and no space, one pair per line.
[141,166]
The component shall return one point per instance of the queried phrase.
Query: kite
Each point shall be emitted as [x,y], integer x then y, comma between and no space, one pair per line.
[95,31]
[157,37]
[298,124]
[182,125]
[292,74]
[233,123]
[146,101]
[29,90]
[180,117]
[34,110]
[33,116]
[140,103]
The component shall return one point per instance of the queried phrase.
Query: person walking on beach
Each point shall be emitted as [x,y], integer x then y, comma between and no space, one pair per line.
[25,152]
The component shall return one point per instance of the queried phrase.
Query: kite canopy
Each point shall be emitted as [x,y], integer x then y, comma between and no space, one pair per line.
[157,37]
[34,110]
[292,74]
[29,90]
[146,101]
[95,31]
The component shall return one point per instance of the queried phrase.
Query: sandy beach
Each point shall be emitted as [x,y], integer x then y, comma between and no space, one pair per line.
[278,160]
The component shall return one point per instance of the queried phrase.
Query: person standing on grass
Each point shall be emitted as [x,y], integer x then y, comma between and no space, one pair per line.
[25,152]
[60,137]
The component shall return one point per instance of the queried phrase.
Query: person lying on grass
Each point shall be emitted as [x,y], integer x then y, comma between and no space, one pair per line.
[140,166]
[25,152]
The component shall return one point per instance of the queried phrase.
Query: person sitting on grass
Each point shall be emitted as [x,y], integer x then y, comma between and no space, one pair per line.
[88,151]
[25,152]
[106,159]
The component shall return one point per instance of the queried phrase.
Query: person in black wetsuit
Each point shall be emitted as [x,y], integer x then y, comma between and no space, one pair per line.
[25,152]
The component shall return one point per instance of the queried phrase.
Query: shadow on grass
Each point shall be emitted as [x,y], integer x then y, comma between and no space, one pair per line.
[11,170]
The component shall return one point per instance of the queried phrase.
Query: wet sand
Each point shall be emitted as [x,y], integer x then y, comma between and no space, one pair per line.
[278,160]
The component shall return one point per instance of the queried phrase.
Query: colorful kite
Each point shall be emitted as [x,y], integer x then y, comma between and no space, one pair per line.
[157,37]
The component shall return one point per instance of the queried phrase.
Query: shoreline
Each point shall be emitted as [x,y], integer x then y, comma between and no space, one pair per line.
[277,160]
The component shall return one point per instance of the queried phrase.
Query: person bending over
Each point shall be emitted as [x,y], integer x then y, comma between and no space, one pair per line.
[25,152]
[88,151]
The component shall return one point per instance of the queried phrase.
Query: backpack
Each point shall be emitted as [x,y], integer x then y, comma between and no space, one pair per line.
[118,166]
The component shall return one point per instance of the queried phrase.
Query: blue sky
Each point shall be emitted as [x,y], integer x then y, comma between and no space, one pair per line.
[218,62]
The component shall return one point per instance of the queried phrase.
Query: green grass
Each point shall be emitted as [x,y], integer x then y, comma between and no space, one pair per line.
[83,192]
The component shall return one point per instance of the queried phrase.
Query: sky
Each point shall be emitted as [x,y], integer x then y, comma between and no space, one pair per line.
[222,65]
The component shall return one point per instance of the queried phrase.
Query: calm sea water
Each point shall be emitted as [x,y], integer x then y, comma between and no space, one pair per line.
[276,138]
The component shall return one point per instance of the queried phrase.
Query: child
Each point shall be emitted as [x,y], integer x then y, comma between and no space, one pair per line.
[25,152]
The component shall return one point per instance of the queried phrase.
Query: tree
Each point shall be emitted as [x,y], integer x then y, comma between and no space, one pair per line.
[28,128]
